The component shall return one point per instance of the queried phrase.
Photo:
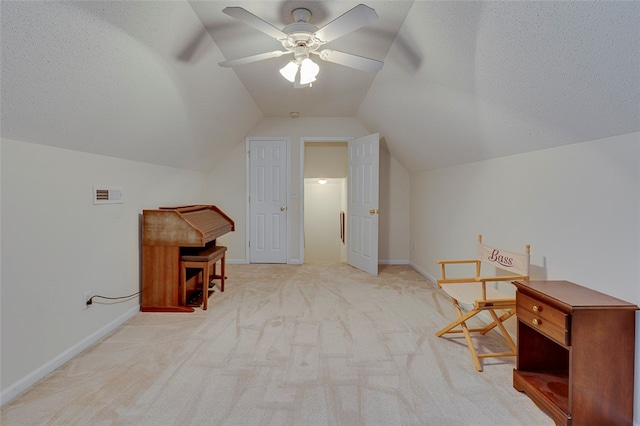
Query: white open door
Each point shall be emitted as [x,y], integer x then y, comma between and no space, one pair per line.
[363,184]
[268,201]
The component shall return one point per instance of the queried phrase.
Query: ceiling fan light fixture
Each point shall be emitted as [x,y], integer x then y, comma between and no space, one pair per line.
[290,71]
[308,71]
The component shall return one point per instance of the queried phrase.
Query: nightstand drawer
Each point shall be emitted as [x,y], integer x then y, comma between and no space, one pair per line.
[541,316]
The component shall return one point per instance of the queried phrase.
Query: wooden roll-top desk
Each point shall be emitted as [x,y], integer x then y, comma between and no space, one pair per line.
[166,234]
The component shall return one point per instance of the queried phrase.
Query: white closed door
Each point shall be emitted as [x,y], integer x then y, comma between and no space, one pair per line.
[363,208]
[268,201]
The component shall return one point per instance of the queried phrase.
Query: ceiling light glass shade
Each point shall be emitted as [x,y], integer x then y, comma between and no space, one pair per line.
[308,71]
[322,181]
[289,71]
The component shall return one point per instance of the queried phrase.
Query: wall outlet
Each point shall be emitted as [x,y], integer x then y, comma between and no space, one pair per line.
[85,298]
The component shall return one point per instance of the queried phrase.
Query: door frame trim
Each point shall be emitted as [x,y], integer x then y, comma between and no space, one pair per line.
[247,192]
[304,139]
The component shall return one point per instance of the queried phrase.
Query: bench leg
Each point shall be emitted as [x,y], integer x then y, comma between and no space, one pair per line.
[205,286]
[183,284]
[222,273]
[220,277]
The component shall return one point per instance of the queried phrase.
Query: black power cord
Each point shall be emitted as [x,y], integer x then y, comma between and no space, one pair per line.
[90,301]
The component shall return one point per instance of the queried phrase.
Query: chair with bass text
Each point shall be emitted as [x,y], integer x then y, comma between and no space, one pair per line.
[476,293]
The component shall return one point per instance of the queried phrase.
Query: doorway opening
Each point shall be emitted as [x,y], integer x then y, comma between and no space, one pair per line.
[363,181]
[324,220]
[324,165]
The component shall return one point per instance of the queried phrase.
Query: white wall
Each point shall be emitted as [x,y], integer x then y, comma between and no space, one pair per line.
[226,189]
[395,199]
[56,245]
[577,205]
[325,159]
[227,184]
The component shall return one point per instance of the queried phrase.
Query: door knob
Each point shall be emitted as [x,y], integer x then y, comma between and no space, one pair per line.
[372,211]
[282,208]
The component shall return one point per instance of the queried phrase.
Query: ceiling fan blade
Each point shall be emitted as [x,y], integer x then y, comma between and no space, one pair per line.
[352,20]
[353,61]
[250,19]
[253,58]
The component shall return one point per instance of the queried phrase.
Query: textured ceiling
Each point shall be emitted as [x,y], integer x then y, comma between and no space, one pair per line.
[461,82]
[105,78]
[501,78]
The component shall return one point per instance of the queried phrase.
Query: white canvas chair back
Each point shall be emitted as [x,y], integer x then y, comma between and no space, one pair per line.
[516,263]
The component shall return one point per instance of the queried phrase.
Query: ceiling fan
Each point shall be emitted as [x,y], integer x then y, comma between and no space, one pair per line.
[303,39]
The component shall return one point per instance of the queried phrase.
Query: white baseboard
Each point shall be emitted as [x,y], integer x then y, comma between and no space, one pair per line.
[31,379]
[393,262]
[244,262]
[424,273]
[299,262]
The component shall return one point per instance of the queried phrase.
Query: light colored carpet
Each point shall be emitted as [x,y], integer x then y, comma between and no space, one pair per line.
[286,345]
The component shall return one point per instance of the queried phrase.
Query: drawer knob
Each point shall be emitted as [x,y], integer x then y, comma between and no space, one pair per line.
[537,308]
[536,322]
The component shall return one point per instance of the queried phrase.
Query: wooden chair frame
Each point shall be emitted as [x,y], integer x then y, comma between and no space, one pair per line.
[485,299]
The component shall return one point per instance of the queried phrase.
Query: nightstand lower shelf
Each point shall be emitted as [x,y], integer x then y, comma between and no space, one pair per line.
[549,390]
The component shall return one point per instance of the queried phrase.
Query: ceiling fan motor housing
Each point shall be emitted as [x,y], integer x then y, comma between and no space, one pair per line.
[300,34]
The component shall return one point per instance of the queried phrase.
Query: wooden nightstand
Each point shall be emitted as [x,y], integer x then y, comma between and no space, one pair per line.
[575,352]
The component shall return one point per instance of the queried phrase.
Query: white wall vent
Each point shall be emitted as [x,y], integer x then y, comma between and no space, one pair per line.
[107,195]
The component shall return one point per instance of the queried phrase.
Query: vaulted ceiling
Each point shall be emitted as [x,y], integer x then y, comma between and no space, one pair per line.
[461,82]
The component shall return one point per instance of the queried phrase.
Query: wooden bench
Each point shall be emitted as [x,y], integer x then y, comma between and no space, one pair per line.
[205,261]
